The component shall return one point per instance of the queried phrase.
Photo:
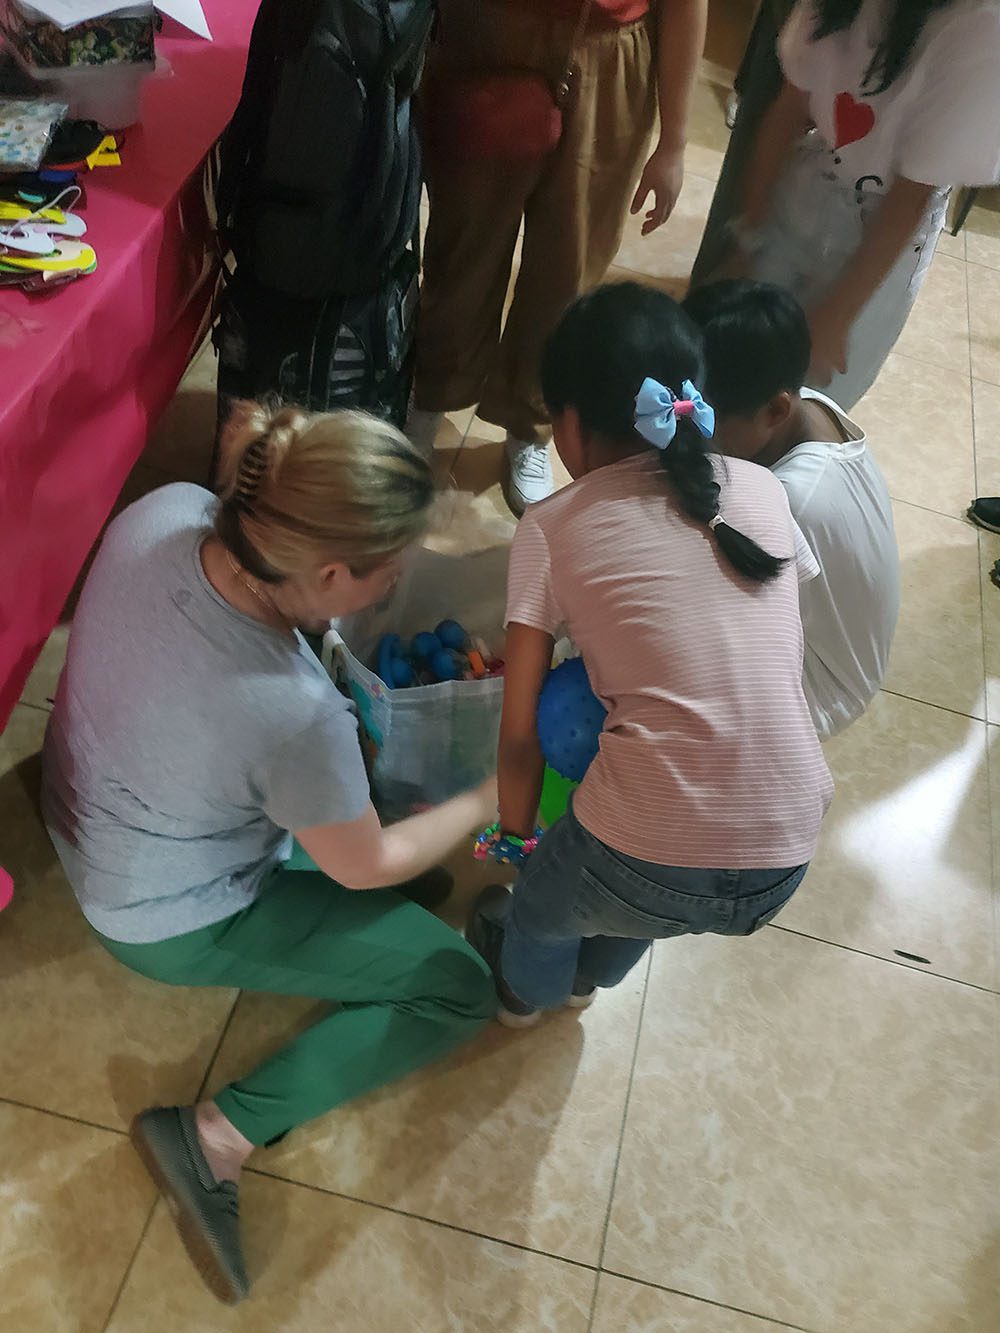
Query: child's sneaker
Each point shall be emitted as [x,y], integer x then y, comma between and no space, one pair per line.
[583,996]
[529,476]
[484,931]
[986,512]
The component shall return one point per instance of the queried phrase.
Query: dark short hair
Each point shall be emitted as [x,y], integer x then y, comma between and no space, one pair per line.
[757,343]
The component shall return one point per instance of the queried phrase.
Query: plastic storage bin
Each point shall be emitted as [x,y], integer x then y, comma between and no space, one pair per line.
[109,94]
[97,68]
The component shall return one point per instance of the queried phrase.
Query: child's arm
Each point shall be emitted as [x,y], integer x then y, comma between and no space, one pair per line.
[783,124]
[681,40]
[527,658]
[884,241]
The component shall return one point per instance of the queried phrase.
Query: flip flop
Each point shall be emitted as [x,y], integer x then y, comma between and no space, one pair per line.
[65,257]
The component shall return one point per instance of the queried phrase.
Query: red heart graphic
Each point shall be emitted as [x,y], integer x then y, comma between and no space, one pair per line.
[852,120]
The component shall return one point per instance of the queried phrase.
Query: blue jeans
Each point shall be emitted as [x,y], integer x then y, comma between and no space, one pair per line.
[582,911]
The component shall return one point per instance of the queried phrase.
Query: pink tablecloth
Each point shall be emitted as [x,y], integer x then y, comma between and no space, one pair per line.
[85,372]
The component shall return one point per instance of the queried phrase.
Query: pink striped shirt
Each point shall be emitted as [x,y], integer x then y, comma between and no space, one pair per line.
[708,756]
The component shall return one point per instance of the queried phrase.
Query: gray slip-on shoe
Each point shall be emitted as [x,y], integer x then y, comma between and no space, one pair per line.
[206,1212]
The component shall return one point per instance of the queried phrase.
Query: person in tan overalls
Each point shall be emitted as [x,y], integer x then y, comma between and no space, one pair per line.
[632,59]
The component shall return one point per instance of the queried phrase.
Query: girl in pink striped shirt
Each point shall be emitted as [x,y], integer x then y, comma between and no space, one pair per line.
[676,574]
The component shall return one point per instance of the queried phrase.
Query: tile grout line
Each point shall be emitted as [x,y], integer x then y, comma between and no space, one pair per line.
[704,1300]
[972,400]
[941,513]
[156,1198]
[506,1243]
[968,326]
[881,958]
[62,1115]
[941,708]
[419,1217]
[621,1138]
[977,263]
[980,552]
[991,796]
[991,793]
[131,1263]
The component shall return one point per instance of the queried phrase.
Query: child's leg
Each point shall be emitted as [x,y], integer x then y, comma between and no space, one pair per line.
[554,907]
[605,961]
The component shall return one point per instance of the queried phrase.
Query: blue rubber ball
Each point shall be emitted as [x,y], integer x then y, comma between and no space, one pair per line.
[444,666]
[570,720]
[425,645]
[452,635]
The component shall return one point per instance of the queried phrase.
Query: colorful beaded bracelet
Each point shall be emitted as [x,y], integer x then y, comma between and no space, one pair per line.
[506,848]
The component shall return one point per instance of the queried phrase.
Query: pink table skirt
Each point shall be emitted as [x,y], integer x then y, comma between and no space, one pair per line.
[86,371]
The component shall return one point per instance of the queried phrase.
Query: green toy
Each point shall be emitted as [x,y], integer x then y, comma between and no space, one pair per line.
[554,801]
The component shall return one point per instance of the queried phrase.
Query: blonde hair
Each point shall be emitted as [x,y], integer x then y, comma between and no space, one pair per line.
[300,490]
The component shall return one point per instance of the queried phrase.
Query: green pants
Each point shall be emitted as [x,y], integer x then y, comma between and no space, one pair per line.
[407,989]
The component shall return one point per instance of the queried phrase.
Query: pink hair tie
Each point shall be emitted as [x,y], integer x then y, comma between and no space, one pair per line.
[683,407]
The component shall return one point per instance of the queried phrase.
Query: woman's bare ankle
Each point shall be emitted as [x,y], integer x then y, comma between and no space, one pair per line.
[225,1148]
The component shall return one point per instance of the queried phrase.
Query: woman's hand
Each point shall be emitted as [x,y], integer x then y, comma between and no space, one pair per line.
[831,331]
[662,178]
[364,855]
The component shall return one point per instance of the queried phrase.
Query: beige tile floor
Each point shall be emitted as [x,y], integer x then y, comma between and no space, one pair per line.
[798,1131]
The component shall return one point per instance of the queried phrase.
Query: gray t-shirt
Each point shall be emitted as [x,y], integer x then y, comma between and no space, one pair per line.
[187,738]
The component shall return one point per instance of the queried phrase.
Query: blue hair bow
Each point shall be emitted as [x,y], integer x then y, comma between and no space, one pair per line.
[657,409]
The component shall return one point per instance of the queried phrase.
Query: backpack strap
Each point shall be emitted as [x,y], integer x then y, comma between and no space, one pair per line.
[406,49]
[279,29]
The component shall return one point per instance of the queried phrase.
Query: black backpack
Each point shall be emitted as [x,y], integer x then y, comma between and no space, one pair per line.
[319,171]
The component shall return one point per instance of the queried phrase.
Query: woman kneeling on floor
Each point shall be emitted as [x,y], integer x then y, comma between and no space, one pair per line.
[193,729]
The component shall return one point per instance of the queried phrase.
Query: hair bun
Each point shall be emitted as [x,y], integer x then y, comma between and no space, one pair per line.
[284,429]
[257,441]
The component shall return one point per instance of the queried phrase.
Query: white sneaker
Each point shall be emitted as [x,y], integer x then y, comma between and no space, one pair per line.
[422,429]
[530,476]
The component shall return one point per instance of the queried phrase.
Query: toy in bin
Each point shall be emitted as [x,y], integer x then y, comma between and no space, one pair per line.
[430,658]
[570,720]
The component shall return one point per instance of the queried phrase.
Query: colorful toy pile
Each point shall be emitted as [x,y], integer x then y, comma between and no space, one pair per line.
[41,245]
[448,653]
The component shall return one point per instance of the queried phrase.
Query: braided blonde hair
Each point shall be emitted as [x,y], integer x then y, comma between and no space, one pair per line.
[301,490]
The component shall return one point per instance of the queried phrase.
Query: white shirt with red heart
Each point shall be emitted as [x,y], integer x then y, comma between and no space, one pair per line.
[938,123]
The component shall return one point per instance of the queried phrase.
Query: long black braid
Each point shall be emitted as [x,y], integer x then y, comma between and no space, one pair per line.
[606,344]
